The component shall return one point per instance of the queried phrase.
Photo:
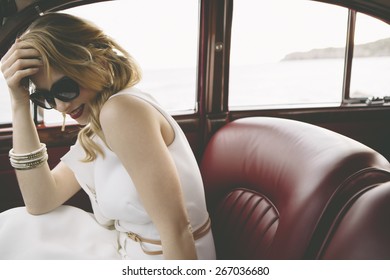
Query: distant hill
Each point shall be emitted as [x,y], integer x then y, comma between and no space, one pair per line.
[377,48]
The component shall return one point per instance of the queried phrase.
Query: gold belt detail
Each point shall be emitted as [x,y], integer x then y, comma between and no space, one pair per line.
[199,233]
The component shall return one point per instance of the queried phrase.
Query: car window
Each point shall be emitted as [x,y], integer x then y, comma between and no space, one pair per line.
[287,53]
[162,36]
[371,58]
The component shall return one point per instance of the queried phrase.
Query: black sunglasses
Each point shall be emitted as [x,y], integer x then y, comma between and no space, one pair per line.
[65,89]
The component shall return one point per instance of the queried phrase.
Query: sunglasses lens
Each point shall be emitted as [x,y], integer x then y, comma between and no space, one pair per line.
[39,99]
[66,95]
[66,89]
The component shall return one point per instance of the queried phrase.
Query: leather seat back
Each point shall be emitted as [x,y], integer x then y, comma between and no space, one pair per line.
[362,228]
[269,182]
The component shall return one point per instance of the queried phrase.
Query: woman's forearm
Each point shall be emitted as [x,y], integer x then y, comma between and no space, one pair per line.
[25,136]
[36,184]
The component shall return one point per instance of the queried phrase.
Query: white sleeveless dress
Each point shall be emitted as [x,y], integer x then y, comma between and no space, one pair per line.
[71,233]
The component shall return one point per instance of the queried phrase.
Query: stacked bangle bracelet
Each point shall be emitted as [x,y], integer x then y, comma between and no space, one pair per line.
[29,160]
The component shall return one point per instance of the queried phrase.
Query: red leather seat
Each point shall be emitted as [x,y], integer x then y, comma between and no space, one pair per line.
[274,186]
[362,229]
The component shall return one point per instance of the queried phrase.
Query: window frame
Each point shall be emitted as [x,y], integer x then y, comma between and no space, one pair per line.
[348,64]
[14,24]
[346,100]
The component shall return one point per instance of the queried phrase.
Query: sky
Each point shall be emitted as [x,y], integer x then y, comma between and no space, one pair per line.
[142,34]
[182,28]
[294,25]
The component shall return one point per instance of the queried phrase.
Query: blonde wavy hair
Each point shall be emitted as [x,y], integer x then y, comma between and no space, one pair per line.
[84,53]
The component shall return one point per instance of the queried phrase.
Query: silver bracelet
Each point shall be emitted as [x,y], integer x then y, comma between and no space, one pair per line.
[29,155]
[28,160]
[26,165]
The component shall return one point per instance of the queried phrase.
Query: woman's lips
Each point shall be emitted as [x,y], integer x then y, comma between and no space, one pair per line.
[77,112]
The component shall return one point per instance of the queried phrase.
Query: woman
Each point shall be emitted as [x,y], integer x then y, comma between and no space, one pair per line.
[130,157]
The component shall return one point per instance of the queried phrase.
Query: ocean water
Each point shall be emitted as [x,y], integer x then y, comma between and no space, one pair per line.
[307,82]
[281,84]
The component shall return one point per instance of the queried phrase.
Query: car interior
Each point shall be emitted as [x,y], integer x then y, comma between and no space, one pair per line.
[301,183]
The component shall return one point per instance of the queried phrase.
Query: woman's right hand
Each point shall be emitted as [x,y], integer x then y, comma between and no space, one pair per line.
[18,64]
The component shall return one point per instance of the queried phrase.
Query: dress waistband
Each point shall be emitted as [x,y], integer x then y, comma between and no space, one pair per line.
[199,233]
